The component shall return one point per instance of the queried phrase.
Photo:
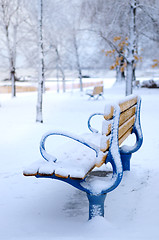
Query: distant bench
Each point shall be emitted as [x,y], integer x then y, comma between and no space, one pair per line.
[120,120]
[97,91]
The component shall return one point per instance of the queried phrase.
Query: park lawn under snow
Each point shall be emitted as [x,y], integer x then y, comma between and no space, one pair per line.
[34,209]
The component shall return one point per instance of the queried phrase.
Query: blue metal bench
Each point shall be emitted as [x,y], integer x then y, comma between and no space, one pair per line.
[120,120]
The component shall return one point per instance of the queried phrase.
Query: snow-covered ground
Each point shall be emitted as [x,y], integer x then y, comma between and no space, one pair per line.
[32,209]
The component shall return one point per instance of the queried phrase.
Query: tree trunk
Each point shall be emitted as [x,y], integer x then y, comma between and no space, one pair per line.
[80,78]
[134,74]
[12,77]
[120,76]
[11,39]
[78,64]
[63,80]
[60,67]
[57,77]
[13,61]
[129,79]
[131,48]
[39,117]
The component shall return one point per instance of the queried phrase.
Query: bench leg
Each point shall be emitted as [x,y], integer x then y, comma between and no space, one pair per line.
[90,97]
[125,158]
[96,205]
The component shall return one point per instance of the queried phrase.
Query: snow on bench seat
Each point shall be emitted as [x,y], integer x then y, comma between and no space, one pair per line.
[64,169]
[75,161]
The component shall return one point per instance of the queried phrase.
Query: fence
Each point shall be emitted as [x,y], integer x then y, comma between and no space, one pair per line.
[51,85]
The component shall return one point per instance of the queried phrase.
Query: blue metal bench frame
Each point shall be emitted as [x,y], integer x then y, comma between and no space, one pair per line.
[122,156]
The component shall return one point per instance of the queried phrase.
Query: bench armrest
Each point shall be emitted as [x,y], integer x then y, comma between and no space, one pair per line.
[89,122]
[113,157]
[49,157]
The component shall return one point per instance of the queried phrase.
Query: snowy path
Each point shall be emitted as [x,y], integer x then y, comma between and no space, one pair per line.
[32,209]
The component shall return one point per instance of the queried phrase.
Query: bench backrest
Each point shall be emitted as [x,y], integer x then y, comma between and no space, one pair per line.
[127,117]
[97,90]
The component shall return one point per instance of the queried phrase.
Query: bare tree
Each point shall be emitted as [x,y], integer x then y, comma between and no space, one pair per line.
[77,57]
[11,18]
[55,40]
[60,68]
[39,117]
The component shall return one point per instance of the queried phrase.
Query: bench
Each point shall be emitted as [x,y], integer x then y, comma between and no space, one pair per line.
[84,171]
[97,91]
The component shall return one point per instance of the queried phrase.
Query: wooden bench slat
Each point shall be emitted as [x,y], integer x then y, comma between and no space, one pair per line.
[124,128]
[127,104]
[61,176]
[124,116]
[122,139]
[30,174]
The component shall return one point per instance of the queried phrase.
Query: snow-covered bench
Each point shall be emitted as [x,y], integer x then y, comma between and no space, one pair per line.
[96,91]
[79,166]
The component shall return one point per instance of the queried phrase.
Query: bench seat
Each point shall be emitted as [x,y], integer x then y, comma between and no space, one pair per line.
[64,168]
[68,164]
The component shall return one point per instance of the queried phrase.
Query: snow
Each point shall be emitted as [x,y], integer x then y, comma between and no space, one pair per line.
[106,126]
[32,208]
[104,142]
[75,162]
[107,109]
